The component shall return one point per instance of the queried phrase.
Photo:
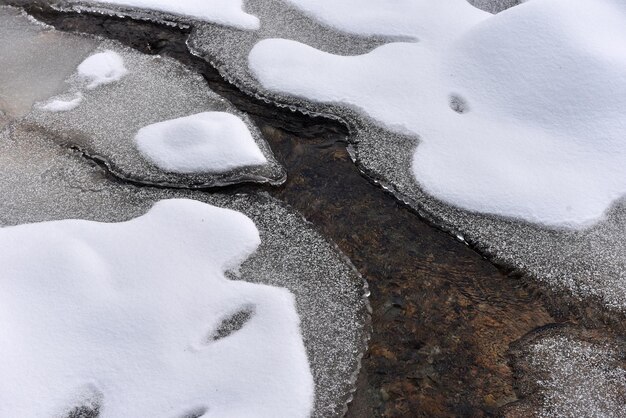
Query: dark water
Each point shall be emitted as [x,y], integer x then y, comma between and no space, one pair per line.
[443,316]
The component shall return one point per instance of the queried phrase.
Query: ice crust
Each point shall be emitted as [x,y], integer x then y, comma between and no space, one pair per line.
[568,373]
[224,12]
[542,135]
[108,93]
[102,68]
[205,142]
[124,313]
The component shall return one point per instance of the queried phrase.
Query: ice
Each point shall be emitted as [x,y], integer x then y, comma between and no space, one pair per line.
[570,373]
[41,182]
[205,142]
[98,99]
[102,68]
[22,43]
[127,310]
[223,12]
[542,125]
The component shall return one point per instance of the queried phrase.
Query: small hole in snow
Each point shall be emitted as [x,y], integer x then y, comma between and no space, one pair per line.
[195,413]
[89,400]
[232,323]
[91,410]
[458,104]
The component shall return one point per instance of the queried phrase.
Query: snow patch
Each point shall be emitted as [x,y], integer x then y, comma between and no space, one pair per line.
[223,12]
[518,114]
[116,317]
[212,142]
[62,105]
[102,68]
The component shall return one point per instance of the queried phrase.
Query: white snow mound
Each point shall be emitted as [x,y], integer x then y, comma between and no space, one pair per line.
[102,68]
[127,316]
[205,142]
[223,12]
[520,114]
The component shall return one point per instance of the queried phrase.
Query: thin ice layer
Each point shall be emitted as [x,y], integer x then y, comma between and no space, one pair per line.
[127,311]
[111,93]
[532,133]
[205,142]
[24,82]
[570,373]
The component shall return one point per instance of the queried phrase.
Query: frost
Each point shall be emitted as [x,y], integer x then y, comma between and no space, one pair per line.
[124,310]
[205,142]
[543,82]
[569,373]
[102,68]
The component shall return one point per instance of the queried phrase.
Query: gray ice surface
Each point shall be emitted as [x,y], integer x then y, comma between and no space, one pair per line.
[575,378]
[39,63]
[589,264]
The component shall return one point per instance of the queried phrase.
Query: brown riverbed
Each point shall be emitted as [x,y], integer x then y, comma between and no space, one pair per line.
[443,316]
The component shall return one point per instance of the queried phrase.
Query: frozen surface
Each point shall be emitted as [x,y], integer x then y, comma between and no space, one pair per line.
[40,181]
[205,142]
[127,314]
[588,261]
[572,376]
[22,82]
[489,142]
[97,95]
[102,68]
[224,12]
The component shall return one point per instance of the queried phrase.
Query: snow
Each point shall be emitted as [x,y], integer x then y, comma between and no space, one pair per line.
[127,316]
[102,68]
[416,19]
[542,85]
[204,142]
[223,12]
[62,105]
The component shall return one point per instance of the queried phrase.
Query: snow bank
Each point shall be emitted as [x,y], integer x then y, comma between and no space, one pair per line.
[520,115]
[205,142]
[102,68]
[131,317]
[223,12]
